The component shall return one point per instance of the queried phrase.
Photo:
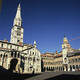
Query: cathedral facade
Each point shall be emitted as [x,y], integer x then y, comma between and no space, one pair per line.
[26,56]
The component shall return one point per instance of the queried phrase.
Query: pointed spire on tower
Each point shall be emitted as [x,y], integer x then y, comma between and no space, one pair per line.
[17,30]
[17,19]
[19,6]
[18,14]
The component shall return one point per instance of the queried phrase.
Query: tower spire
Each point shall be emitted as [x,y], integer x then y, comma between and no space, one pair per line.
[17,19]
[17,30]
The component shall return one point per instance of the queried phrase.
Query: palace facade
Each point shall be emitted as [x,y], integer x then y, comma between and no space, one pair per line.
[26,56]
[66,60]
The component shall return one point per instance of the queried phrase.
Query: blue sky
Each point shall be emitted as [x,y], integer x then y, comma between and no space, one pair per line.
[46,21]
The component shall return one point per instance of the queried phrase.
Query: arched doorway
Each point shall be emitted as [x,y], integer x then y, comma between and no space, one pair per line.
[77,67]
[47,69]
[13,64]
[65,67]
[73,66]
[70,68]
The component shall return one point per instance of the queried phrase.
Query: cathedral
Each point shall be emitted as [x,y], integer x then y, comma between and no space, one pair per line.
[19,57]
[26,56]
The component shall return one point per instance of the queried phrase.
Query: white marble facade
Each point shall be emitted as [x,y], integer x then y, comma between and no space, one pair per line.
[27,55]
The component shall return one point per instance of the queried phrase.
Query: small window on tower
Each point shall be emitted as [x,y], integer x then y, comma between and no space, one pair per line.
[2,45]
[18,28]
[18,34]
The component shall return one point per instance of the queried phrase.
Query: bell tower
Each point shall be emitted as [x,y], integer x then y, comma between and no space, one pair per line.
[65,49]
[17,29]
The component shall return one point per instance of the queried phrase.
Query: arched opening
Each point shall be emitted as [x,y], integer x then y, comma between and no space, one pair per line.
[15,54]
[70,68]
[47,69]
[62,68]
[77,68]
[6,56]
[51,69]
[13,64]
[73,66]
[11,54]
[56,68]
[44,69]
[65,67]
[59,68]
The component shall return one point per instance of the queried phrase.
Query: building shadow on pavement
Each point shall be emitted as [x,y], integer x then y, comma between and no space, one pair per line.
[8,75]
[65,77]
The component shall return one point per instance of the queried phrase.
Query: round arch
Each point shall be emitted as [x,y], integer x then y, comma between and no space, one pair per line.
[13,64]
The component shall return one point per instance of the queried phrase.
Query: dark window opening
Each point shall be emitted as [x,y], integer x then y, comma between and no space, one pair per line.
[2,45]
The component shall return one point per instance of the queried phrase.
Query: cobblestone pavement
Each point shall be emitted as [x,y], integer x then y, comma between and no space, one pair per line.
[52,75]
